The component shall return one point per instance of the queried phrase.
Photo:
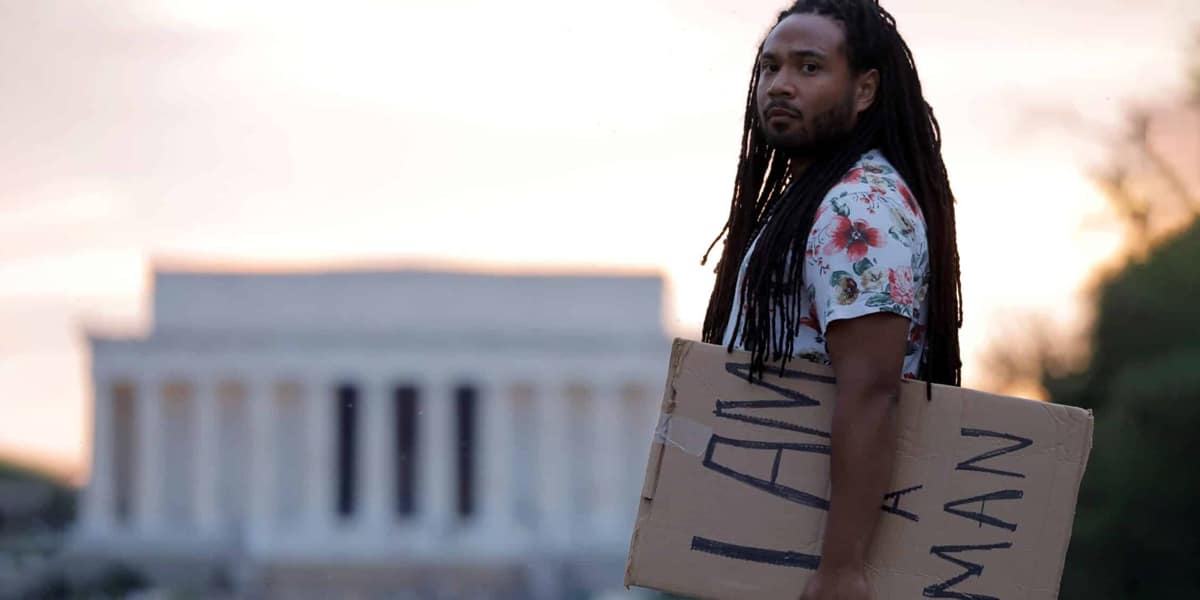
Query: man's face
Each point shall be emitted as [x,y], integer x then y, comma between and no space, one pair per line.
[806,94]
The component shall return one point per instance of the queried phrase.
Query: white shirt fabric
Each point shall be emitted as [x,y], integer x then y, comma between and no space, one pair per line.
[867,253]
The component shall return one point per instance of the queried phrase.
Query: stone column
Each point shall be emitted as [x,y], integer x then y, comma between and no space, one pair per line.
[435,434]
[608,462]
[148,457]
[553,454]
[648,404]
[377,473]
[206,400]
[319,479]
[497,508]
[100,506]
[261,404]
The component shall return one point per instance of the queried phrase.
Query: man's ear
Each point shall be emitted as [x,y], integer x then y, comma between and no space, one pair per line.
[865,87]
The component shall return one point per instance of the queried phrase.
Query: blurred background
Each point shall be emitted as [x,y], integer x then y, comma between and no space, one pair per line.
[575,146]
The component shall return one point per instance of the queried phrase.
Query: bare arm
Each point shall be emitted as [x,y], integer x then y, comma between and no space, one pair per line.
[867,355]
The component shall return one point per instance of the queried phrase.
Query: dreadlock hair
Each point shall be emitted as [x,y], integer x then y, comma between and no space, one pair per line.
[768,204]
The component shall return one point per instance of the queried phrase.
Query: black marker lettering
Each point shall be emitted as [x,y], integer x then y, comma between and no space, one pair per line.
[782,558]
[895,506]
[942,590]
[969,464]
[742,371]
[792,399]
[767,485]
[982,517]
[723,407]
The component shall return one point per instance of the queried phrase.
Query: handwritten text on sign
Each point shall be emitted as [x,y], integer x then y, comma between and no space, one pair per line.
[752,411]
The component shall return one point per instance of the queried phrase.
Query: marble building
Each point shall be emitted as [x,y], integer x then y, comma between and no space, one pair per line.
[431,428]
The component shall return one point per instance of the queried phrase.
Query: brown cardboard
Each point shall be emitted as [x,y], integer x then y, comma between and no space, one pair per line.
[983,492]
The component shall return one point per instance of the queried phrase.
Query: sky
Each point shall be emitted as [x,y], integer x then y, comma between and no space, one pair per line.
[527,135]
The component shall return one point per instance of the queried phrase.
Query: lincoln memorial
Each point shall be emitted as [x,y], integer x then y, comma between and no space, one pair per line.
[412,433]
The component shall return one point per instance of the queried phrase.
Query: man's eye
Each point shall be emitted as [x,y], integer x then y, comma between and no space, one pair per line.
[770,68]
[810,68]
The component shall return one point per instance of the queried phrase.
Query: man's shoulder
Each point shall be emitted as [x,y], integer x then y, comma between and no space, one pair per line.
[872,172]
[872,182]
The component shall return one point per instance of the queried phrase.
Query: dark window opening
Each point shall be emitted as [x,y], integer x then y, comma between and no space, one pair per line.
[347,423]
[124,450]
[404,402]
[466,399]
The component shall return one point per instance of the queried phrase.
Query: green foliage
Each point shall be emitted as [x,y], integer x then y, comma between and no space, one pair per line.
[115,581]
[14,472]
[1146,310]
[57,512]
[1136,532]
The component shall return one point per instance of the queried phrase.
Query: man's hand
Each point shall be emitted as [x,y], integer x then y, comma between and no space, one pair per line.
[843,584]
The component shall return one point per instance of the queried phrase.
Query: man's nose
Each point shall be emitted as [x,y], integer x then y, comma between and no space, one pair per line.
[781,87]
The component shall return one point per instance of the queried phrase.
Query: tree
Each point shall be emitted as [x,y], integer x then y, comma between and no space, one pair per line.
[1151,180]
[1136,531]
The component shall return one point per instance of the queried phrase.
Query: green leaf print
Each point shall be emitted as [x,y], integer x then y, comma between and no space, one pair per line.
[846,286]
[840,209]
[863,266]
[836,278]
[879,299]
[904,236]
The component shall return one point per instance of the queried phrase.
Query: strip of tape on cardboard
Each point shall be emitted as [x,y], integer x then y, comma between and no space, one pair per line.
[683,433]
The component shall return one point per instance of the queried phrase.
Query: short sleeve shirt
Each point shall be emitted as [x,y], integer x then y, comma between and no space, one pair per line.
[867,253]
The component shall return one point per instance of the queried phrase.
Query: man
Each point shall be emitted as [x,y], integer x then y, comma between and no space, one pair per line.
[840,246]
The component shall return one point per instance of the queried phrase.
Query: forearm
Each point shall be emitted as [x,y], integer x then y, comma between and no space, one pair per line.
[863,452]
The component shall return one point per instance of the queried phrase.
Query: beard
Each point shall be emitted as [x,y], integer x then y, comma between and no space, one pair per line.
[810,136]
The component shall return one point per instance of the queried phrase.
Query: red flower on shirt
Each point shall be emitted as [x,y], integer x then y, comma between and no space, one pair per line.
[916,334]
[853,237]
[853,176]
[900,285]
[811,321]
[908,198]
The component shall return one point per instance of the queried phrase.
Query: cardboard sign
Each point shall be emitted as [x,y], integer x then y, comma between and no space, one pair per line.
[736,491]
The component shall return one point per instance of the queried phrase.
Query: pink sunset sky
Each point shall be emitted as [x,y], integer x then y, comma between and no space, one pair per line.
[511,136]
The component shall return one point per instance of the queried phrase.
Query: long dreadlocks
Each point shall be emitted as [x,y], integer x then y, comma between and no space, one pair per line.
[768,204]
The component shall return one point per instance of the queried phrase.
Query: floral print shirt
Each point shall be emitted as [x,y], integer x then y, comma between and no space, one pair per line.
[867,253]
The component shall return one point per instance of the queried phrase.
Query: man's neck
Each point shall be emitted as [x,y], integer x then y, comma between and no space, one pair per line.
[797,165]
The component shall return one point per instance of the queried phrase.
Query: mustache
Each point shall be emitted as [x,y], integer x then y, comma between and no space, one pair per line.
[781,105]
